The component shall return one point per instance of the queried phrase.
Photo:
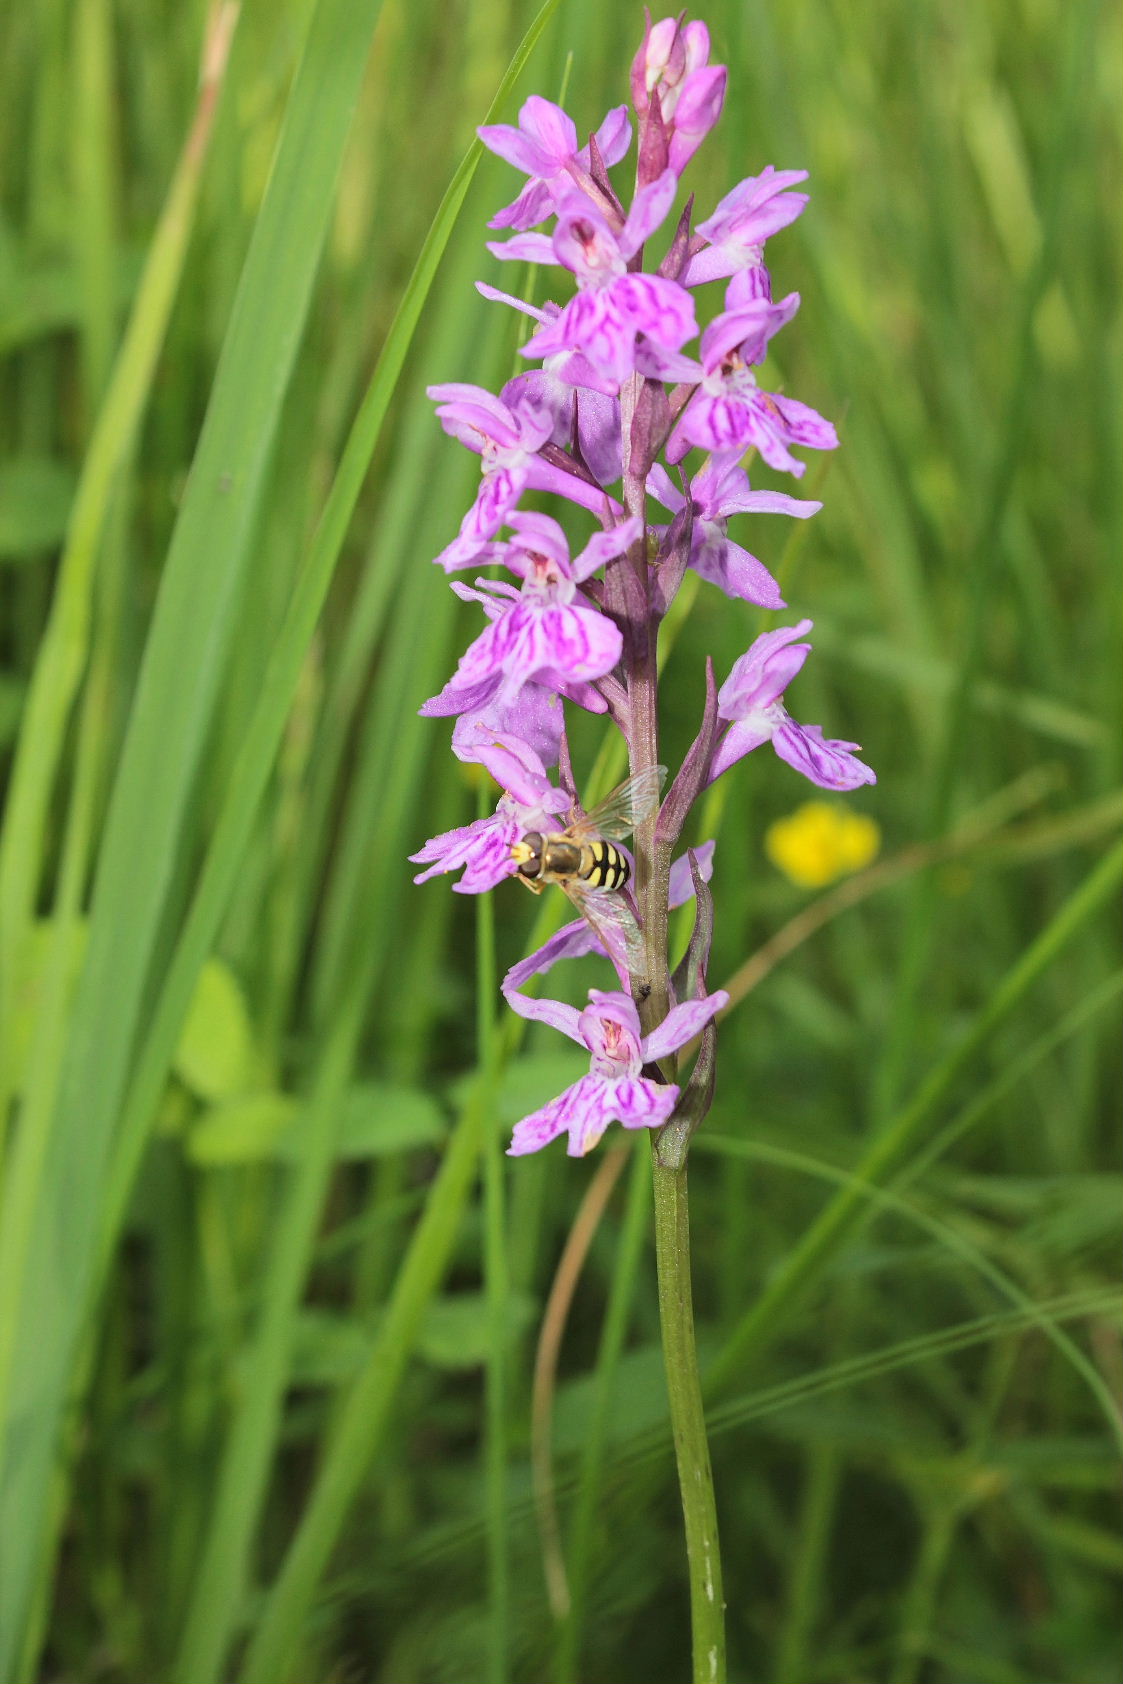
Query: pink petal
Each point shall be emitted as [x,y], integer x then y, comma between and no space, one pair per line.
[613,137]
[542,1126]
[681,1024]
[649,210]
[830,764]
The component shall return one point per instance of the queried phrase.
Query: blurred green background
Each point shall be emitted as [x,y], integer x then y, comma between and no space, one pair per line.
[269,1292]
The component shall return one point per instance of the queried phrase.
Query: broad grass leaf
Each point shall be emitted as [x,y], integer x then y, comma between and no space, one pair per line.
[35,497]
[380,1119]
[34,959]
[214,1057]
[456,1331]
[329,1349]
[242,1131]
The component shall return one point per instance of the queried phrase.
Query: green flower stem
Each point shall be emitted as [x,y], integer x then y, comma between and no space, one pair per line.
[652,995]
[688,1421]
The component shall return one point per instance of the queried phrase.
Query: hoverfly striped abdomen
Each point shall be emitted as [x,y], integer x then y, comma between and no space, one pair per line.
[584,857]
[605,865]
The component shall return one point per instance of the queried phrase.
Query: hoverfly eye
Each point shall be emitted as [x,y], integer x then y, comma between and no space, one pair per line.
[528,854]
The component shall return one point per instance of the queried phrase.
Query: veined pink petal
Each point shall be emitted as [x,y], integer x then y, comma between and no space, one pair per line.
[768,503]
[532,206]
[681,1024]
[661,309]
[830,764]
[805,425]
[734,570]
[551,129]
[763,673]
[640,1103]
[544,1125]
[483,848]
[663,488]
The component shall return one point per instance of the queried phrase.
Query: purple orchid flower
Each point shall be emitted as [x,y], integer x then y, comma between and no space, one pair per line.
[508,436]
[750,700]
[579,939]
[718,490]
[544,147]
[619,321]
[614,1089]
[540,633]
[483,848]
[746,217]
[673,66]
[569,386]
[729,412]
[536,717]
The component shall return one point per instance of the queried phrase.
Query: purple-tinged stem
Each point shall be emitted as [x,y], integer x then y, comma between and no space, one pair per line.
[652,994]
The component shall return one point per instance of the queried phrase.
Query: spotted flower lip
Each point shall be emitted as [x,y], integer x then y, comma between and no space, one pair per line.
[544,146]
[750,700]
[483,848]
[615,1088]
[540,633]
[729,412]
[719,490]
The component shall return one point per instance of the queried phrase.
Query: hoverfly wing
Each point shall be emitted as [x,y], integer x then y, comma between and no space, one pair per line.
[612,920]
[629,804]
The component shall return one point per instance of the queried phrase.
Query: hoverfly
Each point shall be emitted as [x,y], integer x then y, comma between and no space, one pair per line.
[584,863]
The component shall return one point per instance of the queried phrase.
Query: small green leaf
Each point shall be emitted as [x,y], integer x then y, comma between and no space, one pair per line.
[456,1331]
[242,1131]
[379,1120]
[215,1053]
[329,1349]
[35,498]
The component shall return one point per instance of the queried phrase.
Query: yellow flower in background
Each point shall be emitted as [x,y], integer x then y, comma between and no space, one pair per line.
[821,842]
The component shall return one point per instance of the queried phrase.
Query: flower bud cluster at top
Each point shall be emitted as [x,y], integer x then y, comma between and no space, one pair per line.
[614,390]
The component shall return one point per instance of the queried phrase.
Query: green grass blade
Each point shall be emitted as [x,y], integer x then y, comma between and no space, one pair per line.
[63,650]
[193,621]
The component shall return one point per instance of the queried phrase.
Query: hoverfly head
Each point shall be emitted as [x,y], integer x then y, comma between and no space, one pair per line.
[527,854]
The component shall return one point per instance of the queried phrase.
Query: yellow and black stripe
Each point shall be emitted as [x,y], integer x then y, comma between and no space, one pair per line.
[605,865]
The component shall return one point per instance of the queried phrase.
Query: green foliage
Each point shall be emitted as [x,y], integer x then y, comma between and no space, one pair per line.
[269,1290]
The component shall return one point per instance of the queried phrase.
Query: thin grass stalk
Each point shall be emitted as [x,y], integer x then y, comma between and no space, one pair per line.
[632,1243]
[987,551]
[951,1240]
[551,1332]
[808,1259]
[498,1296]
